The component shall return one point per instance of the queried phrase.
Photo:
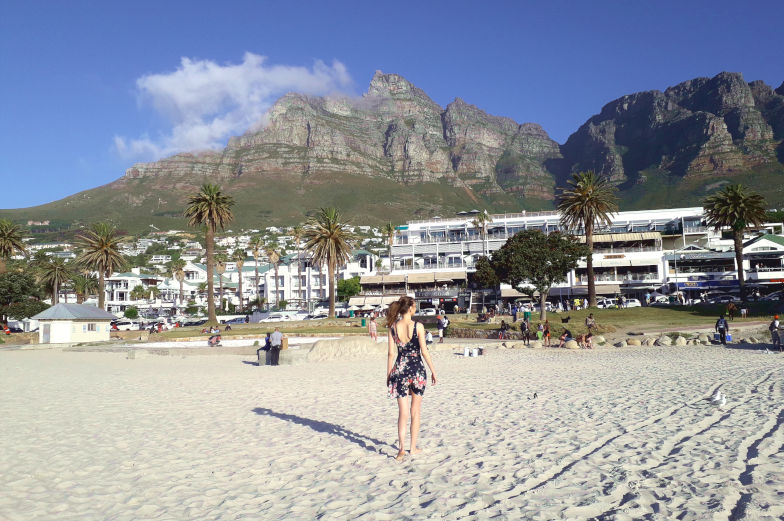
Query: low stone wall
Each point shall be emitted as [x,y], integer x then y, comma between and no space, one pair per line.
[490,334]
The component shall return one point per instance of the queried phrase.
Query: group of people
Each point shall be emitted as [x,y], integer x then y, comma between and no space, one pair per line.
[271,348]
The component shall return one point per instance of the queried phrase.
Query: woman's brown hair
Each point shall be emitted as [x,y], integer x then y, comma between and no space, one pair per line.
[398,308]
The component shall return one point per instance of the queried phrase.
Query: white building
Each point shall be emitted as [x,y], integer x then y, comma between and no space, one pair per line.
[68,323]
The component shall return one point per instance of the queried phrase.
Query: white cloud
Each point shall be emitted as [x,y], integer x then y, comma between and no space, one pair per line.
[206,102]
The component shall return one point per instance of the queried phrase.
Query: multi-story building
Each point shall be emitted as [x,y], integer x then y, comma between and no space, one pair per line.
[637,253]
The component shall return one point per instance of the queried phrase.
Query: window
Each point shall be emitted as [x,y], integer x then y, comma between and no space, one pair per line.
[92,327]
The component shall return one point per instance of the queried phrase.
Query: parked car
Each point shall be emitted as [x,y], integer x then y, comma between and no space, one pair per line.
[723,299]
[126,325]
[238,320]
[429,312]
[633,303]
[607,303]
[276,317]
[195,322]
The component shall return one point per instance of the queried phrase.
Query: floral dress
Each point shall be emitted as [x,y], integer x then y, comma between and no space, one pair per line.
[409,373]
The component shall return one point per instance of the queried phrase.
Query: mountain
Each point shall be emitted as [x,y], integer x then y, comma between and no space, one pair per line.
[395,154]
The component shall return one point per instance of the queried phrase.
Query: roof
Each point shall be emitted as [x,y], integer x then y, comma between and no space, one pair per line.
[74,312]
[360,251]
[778,239]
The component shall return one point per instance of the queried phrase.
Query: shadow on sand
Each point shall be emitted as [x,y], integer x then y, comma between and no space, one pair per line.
[370,444]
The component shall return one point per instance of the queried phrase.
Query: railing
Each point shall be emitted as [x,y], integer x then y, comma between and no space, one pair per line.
[719,269]
[609,277]
[440,265]
[767,268]
[630,249]
[492,216]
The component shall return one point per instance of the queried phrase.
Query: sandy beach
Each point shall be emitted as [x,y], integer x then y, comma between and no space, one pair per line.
[612,434]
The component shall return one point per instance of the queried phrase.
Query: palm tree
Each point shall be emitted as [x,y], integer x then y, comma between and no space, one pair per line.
[53,273]
[177,268]
[480,222]
[256,246]
[298,232]
[735,207]
[329,242]
[274,259]
[238,256]
[84,284]
[587,204]
[389,231]
[210,208]
[101,252]
[10,242]
[138,292]
[220,267]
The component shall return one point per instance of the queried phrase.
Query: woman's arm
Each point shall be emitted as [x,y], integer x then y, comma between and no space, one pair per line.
[391,353]
[425,352]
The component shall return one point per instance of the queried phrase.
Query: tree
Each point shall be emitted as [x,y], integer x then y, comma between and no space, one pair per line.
[587,204]
[485,276]
[53,273]
[220,267]
[84,284]
[735,207]
[329,242]
[210,208]
[18,287]
[10,242]
[138,292]
[24,309]
[274,259]
[480,222]
[131,312]
[534,261]
[298,232]
[256,247]
[177,268]
[389,232]
[238,256]
[101,252]
[348,288]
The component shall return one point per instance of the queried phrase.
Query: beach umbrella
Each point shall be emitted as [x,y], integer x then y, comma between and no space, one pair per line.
[353,308]
[368,307]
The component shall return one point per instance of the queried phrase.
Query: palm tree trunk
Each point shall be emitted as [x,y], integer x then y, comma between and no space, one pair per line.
[101,290]
[220,288]
[331,272]
[737,236]
[256,292]
[210,240]
[54,292]
[589,266]
[240,288]
[543,305]
[182,292]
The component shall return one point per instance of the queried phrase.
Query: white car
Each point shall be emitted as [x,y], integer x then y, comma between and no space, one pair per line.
[126,325]
[607,303]
[633,303]
[429,312]
[276,317]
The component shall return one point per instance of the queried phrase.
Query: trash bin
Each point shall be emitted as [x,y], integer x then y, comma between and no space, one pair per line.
[351,313]
[363,322]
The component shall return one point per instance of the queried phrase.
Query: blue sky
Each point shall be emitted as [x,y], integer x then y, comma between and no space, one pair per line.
[89,88]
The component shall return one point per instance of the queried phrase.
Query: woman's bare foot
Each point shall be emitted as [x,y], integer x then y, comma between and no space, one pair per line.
[400,455]
[415,451]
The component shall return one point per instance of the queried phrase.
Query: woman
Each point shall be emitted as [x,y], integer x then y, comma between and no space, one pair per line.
[373,329]
[406,373]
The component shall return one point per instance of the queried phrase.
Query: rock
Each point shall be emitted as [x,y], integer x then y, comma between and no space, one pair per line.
[344,348]
[519,345]
[622,343]
[535,344]
[664,341]
[680,341]
[649,341]
[599,339]
[633,342]
[704,338]
[572,344]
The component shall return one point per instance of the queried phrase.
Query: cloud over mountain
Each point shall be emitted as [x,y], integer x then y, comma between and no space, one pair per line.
[205,102]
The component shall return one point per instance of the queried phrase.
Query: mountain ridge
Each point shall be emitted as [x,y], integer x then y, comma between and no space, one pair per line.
[660,147]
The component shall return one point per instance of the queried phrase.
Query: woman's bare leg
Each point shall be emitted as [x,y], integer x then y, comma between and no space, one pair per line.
[416,408]
[402,423]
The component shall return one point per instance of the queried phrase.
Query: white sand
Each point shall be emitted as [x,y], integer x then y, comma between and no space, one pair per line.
[614,434]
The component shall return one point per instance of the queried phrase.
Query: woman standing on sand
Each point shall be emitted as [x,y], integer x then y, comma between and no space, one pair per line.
[406,373]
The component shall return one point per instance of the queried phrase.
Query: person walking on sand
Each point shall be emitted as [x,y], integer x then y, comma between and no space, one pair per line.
[546,333]
[590,323]
[406,374]
[774,332]
[731,309]
[441,327]
[722,327]
[525,330]
[373,329]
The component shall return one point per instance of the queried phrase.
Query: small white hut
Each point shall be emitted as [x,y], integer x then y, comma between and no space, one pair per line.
[66,323]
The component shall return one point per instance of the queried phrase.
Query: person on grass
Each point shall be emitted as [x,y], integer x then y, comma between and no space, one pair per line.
[406,375]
